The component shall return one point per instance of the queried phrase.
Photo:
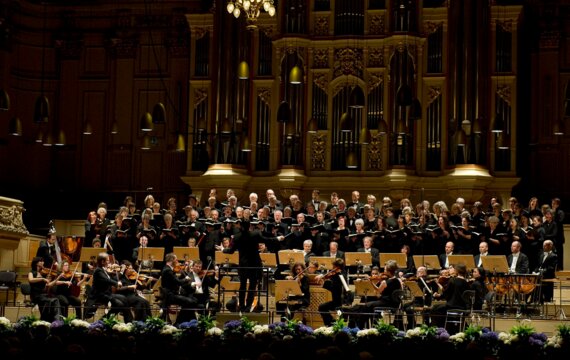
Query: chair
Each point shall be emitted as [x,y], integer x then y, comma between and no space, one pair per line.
[454,321]
[8,282]
[26,290]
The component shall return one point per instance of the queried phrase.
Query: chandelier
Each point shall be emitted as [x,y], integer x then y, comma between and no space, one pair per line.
[251,8]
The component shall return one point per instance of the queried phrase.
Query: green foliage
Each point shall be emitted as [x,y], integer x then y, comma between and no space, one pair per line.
[110,321]
[564,331]
[386,328]
[154,324]
[522,331]
[473,332]
[206,322]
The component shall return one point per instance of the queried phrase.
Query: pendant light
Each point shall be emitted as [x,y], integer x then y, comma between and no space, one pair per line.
[243,70]
[356,99]
[351,160]
[4,100]
[15,126]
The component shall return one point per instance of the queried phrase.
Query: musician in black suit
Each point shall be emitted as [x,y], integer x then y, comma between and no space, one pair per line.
[333,283]
[483,251]
[367,247]
[101,291]
[443,258]
[334,251]
[48,250]
[170,290]
[246,241]
[547,264]
[517,261]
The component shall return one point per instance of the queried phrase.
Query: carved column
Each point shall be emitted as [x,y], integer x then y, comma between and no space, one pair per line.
[12,230]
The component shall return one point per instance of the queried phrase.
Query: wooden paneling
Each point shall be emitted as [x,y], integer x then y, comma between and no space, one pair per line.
[95,62]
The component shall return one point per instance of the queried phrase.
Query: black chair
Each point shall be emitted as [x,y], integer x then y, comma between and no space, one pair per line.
[8,283]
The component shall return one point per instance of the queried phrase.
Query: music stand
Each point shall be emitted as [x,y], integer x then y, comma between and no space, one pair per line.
[414,289]
[268,260]
[495,263]
[286,288]
[400,258]
[289,257]
[186,253]
[226,258]
[88,253]
[153,254]
[324,261]
[431,262]
[468,260]
[357,259]
[364,288]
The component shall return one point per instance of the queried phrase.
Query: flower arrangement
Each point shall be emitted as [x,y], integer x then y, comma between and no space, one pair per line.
[520,340]
[238,327]
[289,327]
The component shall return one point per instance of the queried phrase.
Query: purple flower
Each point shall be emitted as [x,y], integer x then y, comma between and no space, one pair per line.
[192,324]
[441,334]
[489,336]
[304,329]
[57,324]
[97,326]
[233,324]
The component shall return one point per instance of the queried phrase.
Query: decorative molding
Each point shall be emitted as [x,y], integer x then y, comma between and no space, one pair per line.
[321,80]
[198,32]
[11,218]
[123,48]
[200,95]
[433,92]
[318,152]
[320,58]
[264,95]
[430,27]
[376,26]
[506,25]
[375,79]
[504,92]
[376,57]
[268,30]
[348,61]
[322,25]
[375,152]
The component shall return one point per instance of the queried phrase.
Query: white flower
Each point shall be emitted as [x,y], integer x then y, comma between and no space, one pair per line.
[215,331]
[40,323]
[367,332]
[415,332]
[260,329]
[79,323]
[324,330]
[123,328]
[554,341]
[168,330]
[458,338]
[5,322]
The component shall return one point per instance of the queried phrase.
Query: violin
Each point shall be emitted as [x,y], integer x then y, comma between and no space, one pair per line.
[45,272]
[332,273]
[206,272]
[113,268]
[379,277]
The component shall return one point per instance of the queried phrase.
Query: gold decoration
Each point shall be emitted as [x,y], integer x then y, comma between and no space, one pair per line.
[430,27]
[321,58]
[433,93]
[506,25]
[374,80]
[376,57]
[375,152]
[321,80]
[200,95]
[348,61]
[322,25]
[376,24]
[268,30]
[11,219]
[504,92]
[318,152]
[264,95]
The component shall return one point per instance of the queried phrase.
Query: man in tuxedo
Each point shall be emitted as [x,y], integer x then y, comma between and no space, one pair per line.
[334,251]
[517,261]
[170,289]
[483,251]
[367,248]
[444,258]
[547,264]
[49,250]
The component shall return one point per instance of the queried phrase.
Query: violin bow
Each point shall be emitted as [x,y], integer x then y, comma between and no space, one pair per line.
[73,274]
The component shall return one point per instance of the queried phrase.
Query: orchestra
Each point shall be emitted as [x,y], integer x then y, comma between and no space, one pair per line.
[315,229]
